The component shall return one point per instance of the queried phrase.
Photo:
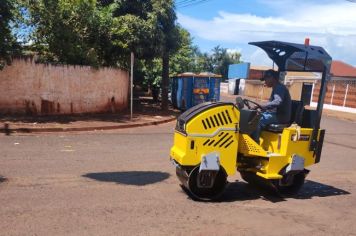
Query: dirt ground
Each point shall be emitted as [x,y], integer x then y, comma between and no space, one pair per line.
[122,183]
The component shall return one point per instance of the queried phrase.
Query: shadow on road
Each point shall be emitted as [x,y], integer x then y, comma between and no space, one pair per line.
[242,191]
[314,189]
[138,178]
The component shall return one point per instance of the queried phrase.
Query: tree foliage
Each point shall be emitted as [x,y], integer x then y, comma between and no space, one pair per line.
[104,32]
[182,60]
[221,59]
[187,58]
[72,32]
[101,32]
[7,39]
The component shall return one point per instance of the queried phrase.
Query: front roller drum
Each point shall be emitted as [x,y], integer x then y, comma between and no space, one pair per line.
[202,185]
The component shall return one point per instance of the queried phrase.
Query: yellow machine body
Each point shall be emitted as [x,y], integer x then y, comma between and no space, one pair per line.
[213,140]
[277,150]
[218,130]
[213,130]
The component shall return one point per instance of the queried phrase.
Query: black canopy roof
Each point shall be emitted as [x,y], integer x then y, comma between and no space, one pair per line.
[296,57]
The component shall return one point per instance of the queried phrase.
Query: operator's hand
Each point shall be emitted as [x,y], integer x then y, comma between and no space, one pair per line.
[258,108]
[254,108]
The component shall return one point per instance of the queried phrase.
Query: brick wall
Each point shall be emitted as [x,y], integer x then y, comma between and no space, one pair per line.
[338,92]
[342,89]
[30,88]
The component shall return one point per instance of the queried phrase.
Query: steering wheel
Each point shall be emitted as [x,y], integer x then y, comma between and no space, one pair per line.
[248,103]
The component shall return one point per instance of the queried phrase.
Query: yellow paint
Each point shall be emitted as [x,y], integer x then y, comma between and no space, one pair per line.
[224,141]
[267,160]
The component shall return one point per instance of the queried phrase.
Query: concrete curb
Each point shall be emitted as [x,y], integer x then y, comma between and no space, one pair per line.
[94,128]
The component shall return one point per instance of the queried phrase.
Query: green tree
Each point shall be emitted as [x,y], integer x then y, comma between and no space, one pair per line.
[134,28]
[185,58]
[169,36]
[204,62]
[72,31]
[7,39]
[149,29]
[221,59]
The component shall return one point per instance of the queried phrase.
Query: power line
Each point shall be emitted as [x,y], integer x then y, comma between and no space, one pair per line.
[189,3]
[184,2]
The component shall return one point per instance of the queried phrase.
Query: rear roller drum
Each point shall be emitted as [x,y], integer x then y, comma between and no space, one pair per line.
[290,184]
[204,185]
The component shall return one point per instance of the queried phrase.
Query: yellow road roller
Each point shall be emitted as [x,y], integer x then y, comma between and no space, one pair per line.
[213,140]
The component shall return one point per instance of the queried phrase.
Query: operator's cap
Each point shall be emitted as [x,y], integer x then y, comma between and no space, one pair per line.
[270,73]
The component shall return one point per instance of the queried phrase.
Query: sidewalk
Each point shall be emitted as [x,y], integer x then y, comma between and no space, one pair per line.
[145,114]
[340,115]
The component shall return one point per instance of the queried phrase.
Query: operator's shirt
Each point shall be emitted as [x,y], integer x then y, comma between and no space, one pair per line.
[280,103]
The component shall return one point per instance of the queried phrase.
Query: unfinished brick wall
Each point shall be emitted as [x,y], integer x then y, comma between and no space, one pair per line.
[30,88]
[257,89]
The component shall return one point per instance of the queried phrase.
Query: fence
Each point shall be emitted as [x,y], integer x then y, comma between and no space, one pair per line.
[30,88]
[340,93]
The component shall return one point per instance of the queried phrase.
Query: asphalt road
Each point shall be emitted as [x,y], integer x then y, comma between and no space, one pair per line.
[122,183]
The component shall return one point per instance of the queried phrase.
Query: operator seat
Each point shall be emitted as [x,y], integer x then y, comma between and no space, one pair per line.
[296,117]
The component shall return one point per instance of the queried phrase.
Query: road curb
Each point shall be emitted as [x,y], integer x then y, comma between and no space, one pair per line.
[94,128]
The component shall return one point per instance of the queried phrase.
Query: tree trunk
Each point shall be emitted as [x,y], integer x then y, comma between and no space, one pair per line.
[165,80]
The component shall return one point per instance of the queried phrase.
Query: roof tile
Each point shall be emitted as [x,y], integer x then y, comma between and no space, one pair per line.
[341,69]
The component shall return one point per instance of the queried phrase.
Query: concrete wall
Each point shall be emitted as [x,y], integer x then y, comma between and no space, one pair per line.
[224,87]
[30,88]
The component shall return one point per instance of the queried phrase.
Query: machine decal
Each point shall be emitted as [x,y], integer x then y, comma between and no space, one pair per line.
[213,134]
[300,138]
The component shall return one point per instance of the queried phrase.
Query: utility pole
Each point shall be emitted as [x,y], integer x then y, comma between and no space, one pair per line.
[131,84]
[165,80]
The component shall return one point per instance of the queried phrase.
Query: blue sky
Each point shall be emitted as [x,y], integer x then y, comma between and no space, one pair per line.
[234,23]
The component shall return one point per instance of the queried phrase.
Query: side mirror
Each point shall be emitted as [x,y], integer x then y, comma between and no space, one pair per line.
[240,103]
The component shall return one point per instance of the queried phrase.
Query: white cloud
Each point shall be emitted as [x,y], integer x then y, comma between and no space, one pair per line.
[234,50]
[258,57]
[331,24]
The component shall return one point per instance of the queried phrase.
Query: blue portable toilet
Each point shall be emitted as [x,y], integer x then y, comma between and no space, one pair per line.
[182,87]
[191,89]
